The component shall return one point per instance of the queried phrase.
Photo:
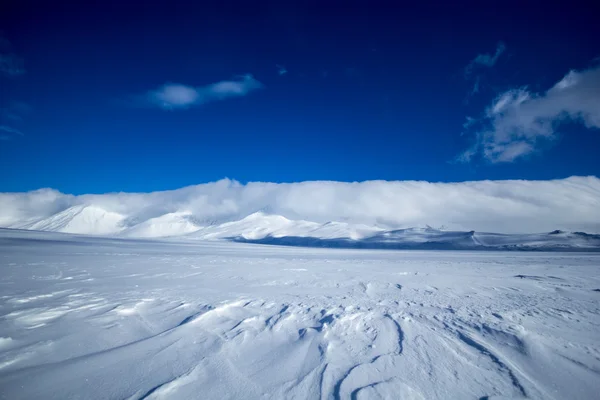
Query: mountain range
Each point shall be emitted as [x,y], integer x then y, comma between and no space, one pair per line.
[265,228]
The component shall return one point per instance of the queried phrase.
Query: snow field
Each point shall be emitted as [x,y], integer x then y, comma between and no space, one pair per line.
[102,318]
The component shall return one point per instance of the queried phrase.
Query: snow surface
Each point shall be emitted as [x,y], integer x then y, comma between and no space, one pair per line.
[108,318]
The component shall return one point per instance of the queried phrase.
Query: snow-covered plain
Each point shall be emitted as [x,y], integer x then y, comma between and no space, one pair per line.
[109,318]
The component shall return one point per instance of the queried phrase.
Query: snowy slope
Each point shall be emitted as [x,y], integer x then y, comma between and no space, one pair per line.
[260,227]
[105,318]
[84,219]
[255,226]
[96,221]
[209,214]
[170,224]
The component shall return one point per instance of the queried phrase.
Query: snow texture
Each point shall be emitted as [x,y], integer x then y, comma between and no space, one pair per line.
[114,318]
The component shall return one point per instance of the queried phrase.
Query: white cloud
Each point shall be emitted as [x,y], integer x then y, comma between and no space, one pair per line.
[177,96]
[8,117]
[481,61]
[485,60]
[518,120]
[11,66]
[7,132]
[14,111]
[501,206]
[8,129]
[281,70]
[476,87]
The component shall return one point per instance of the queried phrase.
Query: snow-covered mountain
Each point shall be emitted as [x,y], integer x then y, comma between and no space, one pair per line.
[94,220]
[170,224]
[434,239]
[83,219]
[510,206]
[261,227]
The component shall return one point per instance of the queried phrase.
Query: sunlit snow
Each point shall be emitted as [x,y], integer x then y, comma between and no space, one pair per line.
[110,318]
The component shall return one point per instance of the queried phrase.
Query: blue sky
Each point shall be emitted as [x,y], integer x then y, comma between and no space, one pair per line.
[139,98]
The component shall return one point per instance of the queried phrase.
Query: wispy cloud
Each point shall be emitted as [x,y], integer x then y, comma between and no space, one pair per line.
[473,71]
[177,96]
[281,70]
[485,60]
[7,132]
[14,112]
[476,86]
[11,65]
[519,120]
[10,116]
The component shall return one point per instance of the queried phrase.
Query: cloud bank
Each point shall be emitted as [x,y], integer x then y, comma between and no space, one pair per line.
[177,96]
[519,120]
[513,206]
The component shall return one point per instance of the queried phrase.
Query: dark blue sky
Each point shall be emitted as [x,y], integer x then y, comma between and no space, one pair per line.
[372,91]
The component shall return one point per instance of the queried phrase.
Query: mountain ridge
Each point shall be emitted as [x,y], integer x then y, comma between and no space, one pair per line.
[261,227]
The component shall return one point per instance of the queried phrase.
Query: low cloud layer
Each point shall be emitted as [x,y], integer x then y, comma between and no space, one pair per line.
[177,96]
[518,121]
[498,206]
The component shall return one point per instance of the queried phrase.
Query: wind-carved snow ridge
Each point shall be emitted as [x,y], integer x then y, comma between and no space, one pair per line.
[324,210]
[100,318]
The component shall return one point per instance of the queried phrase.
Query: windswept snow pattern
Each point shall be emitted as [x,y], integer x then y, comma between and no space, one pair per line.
[98,318]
